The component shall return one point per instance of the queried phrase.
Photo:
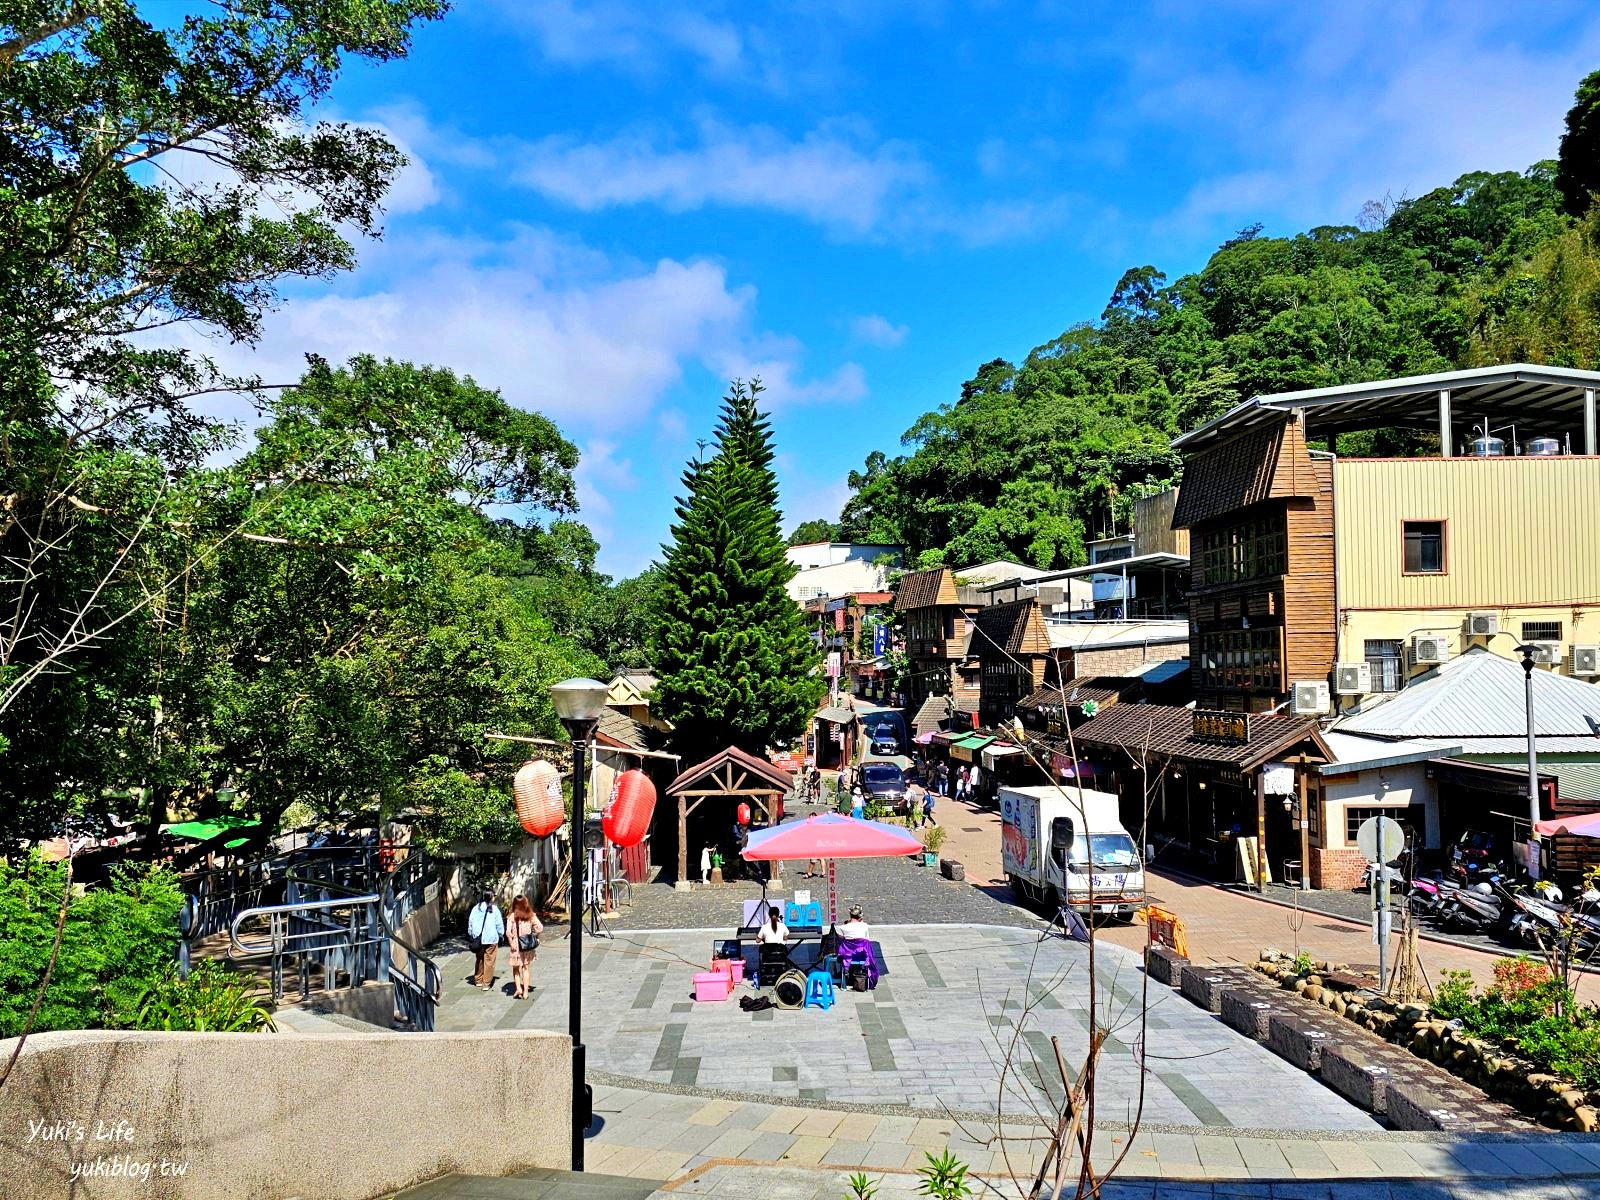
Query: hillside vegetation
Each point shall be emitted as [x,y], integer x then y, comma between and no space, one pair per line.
[1033,458]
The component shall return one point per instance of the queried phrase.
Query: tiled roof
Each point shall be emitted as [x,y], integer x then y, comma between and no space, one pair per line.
[768,772]
[1015,628]
[1166,731]
[1481,694]
[1102,689]
[1266,462]
[925,589]
[622,730]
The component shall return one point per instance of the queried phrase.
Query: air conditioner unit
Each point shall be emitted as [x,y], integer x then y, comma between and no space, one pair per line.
[1586,660]
[1310,698]
[1352,679]
[1430,649]
[1483,624]
[1546,654]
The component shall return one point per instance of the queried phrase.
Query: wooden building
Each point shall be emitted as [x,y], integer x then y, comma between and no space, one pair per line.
[937,618]
[727,779]
[1011,645]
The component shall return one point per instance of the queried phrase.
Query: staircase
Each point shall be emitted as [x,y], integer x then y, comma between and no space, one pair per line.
[536,1183]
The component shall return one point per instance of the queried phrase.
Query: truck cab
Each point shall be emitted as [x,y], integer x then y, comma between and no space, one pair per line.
[1066,847]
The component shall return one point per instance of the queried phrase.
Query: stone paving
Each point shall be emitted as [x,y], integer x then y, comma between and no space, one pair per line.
[954,1002]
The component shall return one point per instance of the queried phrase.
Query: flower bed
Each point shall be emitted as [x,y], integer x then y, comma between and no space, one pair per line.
[1522,1040]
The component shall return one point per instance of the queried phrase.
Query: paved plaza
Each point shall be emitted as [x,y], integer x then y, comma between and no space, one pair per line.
[955,1003]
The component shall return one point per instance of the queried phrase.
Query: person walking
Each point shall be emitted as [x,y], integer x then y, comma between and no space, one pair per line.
[485,928]
[858,802]
[927,809]
[963,788]
[705,863]
[522,935]
[941,779]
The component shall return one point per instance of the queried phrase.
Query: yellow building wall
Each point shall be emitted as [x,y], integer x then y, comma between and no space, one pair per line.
[1522,539]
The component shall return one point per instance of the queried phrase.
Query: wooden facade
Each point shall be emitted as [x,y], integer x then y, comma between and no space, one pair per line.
[732,775]
[937,625]
[1259,510]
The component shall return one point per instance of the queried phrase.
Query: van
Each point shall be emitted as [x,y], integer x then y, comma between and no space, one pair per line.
[1065,847]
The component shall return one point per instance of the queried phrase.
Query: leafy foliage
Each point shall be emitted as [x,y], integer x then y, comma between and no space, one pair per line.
[731,649]
[1032,459]
[1529,1011]
[814,530]
[1578,172]
[116,939]
[211,1000]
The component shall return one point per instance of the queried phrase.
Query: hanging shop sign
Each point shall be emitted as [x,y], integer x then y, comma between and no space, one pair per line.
[1225,728]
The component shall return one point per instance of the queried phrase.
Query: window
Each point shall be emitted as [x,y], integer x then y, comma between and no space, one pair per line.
[1387,660]
[1541,631]
[1252,549]
[1353,818]
[1424,547]
[1242,658]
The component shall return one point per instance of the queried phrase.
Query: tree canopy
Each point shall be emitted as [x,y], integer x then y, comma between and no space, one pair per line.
[731,649]
[1033,458]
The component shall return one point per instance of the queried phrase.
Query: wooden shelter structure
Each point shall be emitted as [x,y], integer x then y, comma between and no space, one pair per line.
[735,775]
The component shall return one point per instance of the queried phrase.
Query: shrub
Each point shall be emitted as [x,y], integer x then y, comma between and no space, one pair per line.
[212,1000]
[1514,976]
[1454,996]
[117,938]
[1528,1011]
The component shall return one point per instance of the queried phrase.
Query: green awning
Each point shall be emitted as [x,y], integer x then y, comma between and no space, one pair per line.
[973,741]
[204,831]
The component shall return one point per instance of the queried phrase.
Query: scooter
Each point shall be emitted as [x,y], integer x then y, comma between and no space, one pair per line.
[1474,911]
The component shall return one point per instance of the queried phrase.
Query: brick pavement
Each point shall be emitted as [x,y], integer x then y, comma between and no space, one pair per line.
[743,1149]
[954,1005]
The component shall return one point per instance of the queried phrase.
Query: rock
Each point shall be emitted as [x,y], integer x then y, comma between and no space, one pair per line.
[1411,1014]
[1272,954]
[1341,966]
[1588,1118]
[1542,1081]
[1340,1008]
[1300,986]
[1314,980]
[1572,1098]
[1312,991]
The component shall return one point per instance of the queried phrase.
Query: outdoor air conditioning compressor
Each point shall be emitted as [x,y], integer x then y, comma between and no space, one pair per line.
[1546,654]
[1586,660]
[1430,649]
[1310,697]
[1483,624]
[1352,678]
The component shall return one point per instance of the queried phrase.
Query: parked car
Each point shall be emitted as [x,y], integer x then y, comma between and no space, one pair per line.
[884,742]
[884,784]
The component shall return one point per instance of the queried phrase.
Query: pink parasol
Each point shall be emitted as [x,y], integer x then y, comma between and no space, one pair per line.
[830,836]
[1579,825]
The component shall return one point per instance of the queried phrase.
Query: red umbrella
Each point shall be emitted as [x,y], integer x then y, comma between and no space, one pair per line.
[830,836]
[1579,824]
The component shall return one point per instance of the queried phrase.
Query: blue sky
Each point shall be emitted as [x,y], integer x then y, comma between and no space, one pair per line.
[613,207]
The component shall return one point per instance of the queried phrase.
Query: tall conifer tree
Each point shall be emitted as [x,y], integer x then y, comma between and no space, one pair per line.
[731,648]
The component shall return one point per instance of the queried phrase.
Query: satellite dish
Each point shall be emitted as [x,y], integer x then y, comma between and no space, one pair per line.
[1380,839]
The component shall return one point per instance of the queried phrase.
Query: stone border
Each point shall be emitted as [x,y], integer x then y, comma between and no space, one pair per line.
[1498,1073]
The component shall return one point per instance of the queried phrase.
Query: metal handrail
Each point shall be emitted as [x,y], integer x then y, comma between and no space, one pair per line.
[300,907]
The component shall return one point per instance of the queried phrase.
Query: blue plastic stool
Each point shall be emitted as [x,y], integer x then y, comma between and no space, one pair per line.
[819,990]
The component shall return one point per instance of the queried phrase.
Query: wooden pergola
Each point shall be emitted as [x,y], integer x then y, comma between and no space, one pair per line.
[737,775]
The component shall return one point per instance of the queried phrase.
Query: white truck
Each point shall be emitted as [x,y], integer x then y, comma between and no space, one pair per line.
[1066,847]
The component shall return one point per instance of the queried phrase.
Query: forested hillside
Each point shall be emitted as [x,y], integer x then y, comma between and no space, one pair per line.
[1033,458]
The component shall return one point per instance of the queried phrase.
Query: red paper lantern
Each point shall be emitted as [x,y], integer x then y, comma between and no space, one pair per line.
[537,791]
[627,817]
[744,814]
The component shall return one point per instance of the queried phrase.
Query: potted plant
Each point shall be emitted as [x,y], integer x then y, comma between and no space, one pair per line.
[932,840]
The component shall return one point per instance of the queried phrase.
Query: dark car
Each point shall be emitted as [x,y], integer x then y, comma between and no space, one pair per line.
[884,784]
[882,737]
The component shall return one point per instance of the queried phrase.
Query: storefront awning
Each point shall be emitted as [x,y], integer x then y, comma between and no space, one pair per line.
[837,716]
[998,750]
[966,749]
[205,830]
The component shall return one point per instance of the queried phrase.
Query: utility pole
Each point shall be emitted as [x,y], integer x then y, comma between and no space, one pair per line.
[1533,764]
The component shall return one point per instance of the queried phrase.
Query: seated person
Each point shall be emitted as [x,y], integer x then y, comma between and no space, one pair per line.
[855,928]
[774,931]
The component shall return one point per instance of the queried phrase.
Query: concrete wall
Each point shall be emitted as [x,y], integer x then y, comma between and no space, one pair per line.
[264,1117]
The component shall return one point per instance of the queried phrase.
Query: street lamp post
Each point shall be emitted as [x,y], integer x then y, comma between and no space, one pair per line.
[1533,759]
[579,703]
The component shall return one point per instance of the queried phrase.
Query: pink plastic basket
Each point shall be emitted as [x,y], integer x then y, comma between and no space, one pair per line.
[732,967]
[712,985]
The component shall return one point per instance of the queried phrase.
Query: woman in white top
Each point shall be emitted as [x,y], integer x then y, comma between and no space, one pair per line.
[855,927]
[774,931]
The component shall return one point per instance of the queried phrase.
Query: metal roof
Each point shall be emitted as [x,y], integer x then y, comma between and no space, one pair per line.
[1116,566]
[1355,753]
[1159,672]
[1481,695]
[1514,392]
[1079,635]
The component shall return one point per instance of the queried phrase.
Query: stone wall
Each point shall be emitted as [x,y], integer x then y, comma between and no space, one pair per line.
[1120,660]
[1338,870]
[261,1115]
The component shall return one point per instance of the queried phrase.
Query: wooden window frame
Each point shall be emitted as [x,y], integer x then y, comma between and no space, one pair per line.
[1444,546]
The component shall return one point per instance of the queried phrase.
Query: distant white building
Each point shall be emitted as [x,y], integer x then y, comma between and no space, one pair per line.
[840,569]
[830,554]
[1001,570]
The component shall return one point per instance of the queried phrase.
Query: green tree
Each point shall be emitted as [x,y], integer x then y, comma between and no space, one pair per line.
[732,651]
[814,530]
[1578,169]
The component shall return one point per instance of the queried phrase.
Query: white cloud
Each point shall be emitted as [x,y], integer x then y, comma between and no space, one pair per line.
[829,176]
[876,330]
